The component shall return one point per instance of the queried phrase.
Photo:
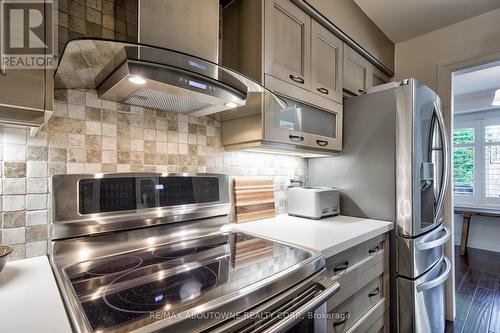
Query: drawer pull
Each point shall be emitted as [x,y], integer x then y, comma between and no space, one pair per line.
[322,143]
[322,90]
[375,292]
[296,138]
[343,321]
[374,250]
[296,78]
[341,267]
[362,91]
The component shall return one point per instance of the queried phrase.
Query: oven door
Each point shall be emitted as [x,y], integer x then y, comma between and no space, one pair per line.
[302,309]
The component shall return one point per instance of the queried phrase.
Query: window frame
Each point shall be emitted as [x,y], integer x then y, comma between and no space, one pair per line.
[489,201]
[474,199]
[478,122]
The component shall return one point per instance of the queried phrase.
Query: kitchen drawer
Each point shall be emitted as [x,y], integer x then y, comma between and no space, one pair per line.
[352,309]
[374,321]
[345,266]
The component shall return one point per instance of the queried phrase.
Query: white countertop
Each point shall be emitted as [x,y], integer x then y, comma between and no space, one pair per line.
[29,298]
[329,235]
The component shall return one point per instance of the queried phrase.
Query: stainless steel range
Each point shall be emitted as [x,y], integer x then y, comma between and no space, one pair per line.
[145,253]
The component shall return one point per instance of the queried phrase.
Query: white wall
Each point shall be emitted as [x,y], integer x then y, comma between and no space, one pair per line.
[484,232]
[420,56]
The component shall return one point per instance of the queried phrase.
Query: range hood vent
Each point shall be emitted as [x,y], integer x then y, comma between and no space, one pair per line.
[157,78]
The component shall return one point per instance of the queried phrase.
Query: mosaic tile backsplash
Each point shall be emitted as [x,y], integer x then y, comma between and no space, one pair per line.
[89,135]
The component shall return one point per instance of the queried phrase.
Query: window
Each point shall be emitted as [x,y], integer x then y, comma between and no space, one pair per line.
[476,162]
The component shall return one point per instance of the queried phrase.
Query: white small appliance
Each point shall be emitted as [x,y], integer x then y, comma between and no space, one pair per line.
[313,202]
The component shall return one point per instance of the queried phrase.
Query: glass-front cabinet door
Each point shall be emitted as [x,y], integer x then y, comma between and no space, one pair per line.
[305,125]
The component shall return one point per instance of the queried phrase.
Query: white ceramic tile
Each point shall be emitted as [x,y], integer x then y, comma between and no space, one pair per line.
[183,127]
[123,168]
[149,135]
[13,152]
[93,128]
[92,167]
[36,201]
[162,148]
[108,130]
[76,140]
[91,99]
[76,96]
[36,217]
[202,140]
[172,136]
[15,135]
[109,156]
[36,249]
[74,168]
[183,149]
[192,139]
[76,111]
[36,185]
[137,145]
[40,139]
[60,109]
[13,236]
[13,203]
[173,148]
[37,169]
[183,138]
[14,186]
[161,135]
[108,143]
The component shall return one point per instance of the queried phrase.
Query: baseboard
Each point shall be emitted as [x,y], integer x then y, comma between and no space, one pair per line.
[487,246]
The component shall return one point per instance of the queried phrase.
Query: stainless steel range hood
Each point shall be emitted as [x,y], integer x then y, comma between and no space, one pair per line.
[163,74]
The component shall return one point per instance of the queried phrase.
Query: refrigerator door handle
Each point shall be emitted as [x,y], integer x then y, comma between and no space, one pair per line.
[435,243]
[446,164]
[437,281]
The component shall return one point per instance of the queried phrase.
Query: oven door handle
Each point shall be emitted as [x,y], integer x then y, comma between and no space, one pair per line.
[301,312]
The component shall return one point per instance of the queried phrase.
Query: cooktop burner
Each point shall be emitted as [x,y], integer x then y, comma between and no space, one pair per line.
[160,293]
[116,265]
[123,292]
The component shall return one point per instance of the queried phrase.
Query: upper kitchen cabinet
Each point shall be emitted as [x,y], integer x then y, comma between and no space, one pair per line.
[274,41]
[287,43]
[357,72]
[326,63]
[360,74]
[354,24]
[25,79]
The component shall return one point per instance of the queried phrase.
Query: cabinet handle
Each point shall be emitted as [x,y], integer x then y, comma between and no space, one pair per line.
[322,143]
[341,267]
[343,321]
[362,91]
[296,138]
[322,90]
[296,78]
[374,250]
[375,292]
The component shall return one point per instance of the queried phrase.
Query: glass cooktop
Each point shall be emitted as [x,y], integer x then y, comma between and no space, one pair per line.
[131,290]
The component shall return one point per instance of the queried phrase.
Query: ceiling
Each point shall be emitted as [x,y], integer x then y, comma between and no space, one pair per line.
[401,20]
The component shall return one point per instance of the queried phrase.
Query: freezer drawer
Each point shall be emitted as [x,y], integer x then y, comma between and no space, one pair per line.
[417,255]
[421,301]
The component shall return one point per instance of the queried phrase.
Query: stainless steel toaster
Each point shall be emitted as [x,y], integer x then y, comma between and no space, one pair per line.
[313,202]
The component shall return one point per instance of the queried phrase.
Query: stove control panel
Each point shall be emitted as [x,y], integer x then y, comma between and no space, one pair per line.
[100,195]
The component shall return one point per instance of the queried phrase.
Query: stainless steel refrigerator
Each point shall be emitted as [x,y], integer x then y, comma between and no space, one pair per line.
[394,166]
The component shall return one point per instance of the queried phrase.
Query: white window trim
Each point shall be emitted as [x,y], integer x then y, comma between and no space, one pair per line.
[479,198]
[471,200]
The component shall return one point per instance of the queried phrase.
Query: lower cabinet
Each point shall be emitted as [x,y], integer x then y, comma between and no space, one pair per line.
[362,303]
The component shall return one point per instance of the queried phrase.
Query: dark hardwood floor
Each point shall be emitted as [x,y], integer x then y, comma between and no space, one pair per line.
[477,278]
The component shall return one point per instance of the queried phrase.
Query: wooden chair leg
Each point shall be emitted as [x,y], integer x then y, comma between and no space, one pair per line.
[465,234]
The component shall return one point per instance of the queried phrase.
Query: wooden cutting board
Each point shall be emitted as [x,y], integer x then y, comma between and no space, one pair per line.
[253,199]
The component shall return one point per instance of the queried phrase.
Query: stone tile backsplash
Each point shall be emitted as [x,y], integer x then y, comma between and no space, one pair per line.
[89,135]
